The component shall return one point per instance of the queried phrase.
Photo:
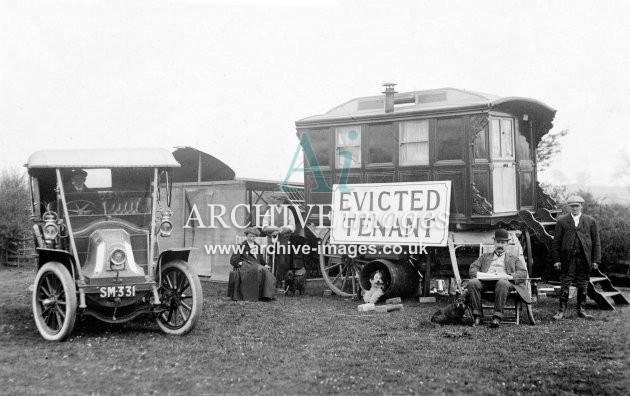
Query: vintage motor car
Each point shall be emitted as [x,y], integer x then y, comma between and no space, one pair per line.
[98,218]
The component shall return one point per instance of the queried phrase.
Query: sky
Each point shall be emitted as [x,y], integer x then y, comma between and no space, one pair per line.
[231,77]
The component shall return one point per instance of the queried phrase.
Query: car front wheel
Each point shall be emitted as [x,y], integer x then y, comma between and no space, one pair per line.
[181,298]
[54,302]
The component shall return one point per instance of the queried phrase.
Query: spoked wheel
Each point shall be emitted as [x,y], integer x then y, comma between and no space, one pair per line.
[80,207]
[340,272]
[181,297]
[54,302]
[526,242]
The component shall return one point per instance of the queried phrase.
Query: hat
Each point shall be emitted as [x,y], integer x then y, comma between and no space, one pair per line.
[575,200]
[280,195]
[79,172]
[501,235]
[251,230]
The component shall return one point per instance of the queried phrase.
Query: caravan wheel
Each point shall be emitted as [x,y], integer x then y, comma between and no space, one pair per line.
[340,272]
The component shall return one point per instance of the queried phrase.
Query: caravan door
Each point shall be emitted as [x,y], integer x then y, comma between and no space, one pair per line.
[503,164]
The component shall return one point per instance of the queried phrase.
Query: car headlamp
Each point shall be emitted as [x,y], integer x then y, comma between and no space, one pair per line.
[166,226]
[50,228]
[117,260]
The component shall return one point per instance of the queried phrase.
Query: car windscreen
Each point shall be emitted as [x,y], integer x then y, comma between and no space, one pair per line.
[94,195]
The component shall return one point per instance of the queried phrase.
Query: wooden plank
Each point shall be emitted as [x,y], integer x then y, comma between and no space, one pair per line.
[388,308]
[426,285]
[451,251]
[426,299]
[395,300]
[366,307]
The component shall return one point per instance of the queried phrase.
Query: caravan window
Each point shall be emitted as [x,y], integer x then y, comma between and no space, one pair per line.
[414,142]
[348,140]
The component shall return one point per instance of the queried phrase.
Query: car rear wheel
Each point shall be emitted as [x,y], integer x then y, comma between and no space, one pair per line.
[181,298]
[54,302]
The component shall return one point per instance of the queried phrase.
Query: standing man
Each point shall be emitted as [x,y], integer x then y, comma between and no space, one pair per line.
[576,250]
[494,272]
[278,222]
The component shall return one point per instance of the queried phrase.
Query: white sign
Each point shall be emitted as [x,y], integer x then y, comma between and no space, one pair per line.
[414,213]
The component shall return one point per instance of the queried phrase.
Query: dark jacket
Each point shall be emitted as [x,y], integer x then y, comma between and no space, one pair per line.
[565,235]
[69,189]
[247,255]
[513,266]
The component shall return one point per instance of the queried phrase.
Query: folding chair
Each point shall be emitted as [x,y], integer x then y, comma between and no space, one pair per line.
[517,301]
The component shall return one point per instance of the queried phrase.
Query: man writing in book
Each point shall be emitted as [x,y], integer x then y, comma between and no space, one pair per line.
[493,272]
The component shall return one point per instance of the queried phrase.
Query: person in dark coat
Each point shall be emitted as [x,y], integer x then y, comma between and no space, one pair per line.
[251,278]
[504,272]
[77,182]
[279,225]
[576,250]
[81,199]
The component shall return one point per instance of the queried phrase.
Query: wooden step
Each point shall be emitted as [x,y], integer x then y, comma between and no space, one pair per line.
[609,294]
[596,279]
[620,300]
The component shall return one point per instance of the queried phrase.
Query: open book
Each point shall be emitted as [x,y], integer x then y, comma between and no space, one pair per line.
[488,276]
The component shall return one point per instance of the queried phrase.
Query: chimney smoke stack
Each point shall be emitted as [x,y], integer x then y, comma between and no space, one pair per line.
[389,97]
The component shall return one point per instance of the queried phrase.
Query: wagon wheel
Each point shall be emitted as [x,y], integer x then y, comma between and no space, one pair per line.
[526,241]
[340,272]
[181,298]
[54,302]
[80,207]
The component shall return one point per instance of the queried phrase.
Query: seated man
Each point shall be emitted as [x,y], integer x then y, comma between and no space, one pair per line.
[77,182]
[493,272]
[81,199]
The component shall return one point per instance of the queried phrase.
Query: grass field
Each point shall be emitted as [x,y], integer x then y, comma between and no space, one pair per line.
[311,345]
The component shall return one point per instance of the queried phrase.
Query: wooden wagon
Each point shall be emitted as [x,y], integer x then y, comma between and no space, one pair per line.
[483,144]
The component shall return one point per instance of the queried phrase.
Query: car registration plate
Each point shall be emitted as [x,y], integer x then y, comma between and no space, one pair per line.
[117,291]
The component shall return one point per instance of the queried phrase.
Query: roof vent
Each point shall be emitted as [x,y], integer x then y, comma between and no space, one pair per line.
[389,97]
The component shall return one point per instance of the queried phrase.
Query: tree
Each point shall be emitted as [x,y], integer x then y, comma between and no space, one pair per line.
[549,148]
[613,220]
[14,206]
[614,228]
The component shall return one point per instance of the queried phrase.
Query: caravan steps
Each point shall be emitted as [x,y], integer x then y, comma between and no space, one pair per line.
[602,291]
[541,223]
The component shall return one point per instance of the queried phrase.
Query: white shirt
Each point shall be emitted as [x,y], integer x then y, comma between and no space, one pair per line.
[576,219]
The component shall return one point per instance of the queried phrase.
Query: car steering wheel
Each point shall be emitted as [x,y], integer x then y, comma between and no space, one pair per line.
[80,207]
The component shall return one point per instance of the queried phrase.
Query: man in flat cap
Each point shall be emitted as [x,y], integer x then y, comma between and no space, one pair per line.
[77,182]
[576,250]
[81,199]
[500,272]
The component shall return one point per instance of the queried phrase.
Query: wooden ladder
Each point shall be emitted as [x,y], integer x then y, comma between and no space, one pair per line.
[606,295]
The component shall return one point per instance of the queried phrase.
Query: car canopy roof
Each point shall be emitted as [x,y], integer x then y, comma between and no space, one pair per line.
[103,158]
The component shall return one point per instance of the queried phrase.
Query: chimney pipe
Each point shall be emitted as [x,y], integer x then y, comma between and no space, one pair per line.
[389,97]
